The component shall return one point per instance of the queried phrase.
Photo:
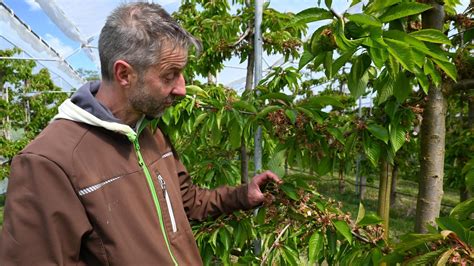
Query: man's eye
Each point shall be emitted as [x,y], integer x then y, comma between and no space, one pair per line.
[170,77]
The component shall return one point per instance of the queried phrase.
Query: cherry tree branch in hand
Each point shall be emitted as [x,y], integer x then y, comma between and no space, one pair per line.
[255,195]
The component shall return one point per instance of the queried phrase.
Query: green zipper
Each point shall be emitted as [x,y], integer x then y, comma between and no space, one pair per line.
[132,136]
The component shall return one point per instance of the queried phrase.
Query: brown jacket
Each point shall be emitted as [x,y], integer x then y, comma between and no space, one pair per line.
[79,194]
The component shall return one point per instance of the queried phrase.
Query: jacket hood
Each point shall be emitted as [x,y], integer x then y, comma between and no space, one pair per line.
[83,107]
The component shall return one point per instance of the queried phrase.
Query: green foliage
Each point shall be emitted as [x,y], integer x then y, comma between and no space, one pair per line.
[29,102]
[451,244]
[226,32]
[307,227]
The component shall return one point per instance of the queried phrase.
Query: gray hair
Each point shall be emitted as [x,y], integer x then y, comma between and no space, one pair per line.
[136,33]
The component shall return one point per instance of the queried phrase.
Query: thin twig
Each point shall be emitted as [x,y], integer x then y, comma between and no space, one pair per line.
[242,37]
[274,244]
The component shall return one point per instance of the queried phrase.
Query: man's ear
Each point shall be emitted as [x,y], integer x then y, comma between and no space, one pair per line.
[123,73]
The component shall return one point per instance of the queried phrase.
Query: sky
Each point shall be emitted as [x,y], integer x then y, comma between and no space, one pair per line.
[31,13]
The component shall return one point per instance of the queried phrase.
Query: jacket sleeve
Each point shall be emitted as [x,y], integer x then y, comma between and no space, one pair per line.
[200,203]
[44,219]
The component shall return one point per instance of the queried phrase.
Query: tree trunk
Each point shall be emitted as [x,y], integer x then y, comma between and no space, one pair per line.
[342,184]
[6,119]
[432,151]
[465,194]
[393,191]
[211,79]
[244,160]
[362,187]
[384,195]
[250,67]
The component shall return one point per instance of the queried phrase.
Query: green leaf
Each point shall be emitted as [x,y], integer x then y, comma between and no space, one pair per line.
[277,96]
[469,180]
[291,114]
[306,57]
[318,60]
[403,10]
[235,135]
[341,40]
[305,111]
[358,77]
[361,213]
[443,259]
[355,2]
[311,15]
[435,51]
[244,106]
[448,68]
[277,163]
[315,246]
[343,228]
[213,239]
[369,219]
[324,166]
[199,119]
[342,60]
[429,69]
[379,132]
[350,143]
[397,137]
[336,133]
[290,255]
[328,64]
[381,4]
[384,85]
[267,110]
[321,101]
[290,191]
[392,66]
[402,52]
[361,18]
[332,241]
[372,151]
[328,3]
[391,109]
[195,90]
[402,87]
[424,259]
[411,241]
[379,56]
[449,223]
[463,210]
[422,80]
[431,35]
[406,38]
[225,238]
[260,218]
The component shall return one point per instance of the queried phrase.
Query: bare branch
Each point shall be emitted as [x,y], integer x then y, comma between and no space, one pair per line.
[243,36]
[274,244]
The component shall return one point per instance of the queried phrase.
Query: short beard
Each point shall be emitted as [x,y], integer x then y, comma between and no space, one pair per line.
[143,102]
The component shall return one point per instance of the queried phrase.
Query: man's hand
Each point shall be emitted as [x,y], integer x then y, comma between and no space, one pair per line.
[255,195]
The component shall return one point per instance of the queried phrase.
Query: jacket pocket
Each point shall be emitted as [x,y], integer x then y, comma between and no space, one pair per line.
[169,206]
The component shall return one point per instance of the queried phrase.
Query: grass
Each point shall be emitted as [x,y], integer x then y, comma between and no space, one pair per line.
[402,214]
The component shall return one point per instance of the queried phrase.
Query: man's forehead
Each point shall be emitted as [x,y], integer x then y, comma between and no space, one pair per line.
[173,57]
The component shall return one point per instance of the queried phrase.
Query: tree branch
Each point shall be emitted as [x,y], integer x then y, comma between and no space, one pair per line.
[243,36]
[464,84]
[274,244]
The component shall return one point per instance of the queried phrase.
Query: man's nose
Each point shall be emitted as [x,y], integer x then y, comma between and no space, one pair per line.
[179,86]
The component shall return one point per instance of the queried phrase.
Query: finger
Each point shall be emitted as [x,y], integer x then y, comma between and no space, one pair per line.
[267,176]
[273,177]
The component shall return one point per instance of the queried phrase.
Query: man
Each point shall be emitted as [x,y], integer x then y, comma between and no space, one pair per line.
[99,186]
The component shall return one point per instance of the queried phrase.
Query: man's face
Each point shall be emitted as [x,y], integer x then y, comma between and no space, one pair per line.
[158,86]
